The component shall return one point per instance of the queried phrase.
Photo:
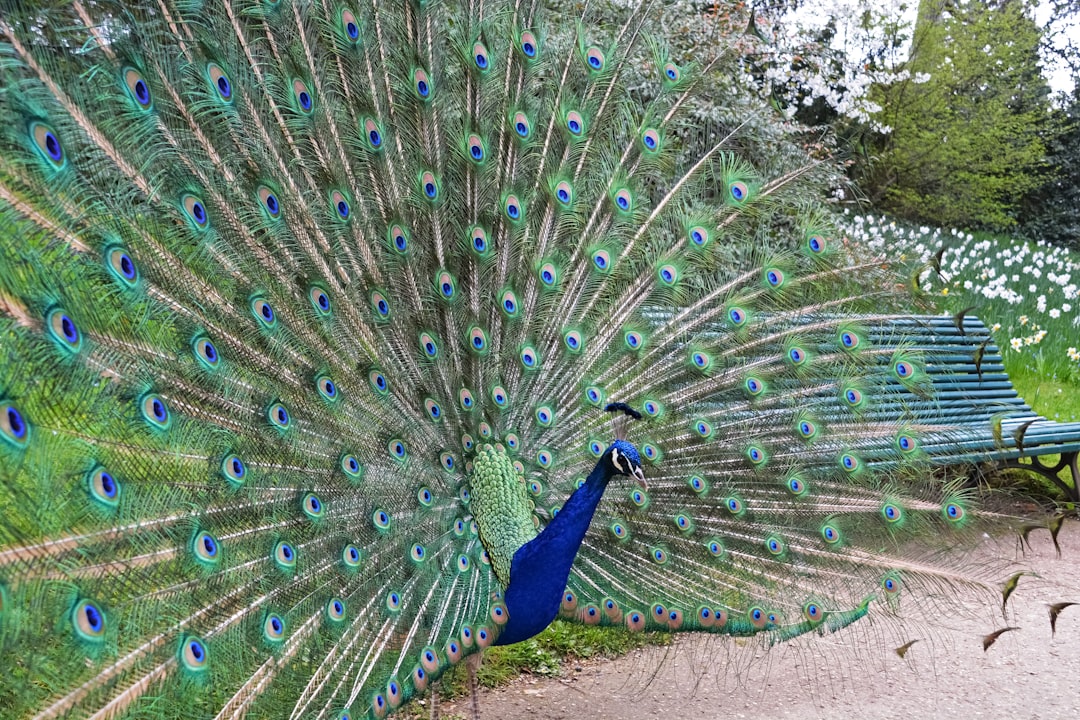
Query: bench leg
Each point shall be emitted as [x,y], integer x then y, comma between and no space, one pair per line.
[1067,460]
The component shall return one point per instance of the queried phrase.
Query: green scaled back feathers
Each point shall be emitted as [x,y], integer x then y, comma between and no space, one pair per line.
[285,284]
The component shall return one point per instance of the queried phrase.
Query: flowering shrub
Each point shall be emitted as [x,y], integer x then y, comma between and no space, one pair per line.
[1028,293]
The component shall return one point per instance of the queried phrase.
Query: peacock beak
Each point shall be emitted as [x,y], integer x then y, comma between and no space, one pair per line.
[640,475]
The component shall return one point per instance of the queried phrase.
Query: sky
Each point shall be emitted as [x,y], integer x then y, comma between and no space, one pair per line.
[1058,76]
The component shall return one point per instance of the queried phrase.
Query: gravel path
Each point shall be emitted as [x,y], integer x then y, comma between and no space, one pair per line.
[1026,675]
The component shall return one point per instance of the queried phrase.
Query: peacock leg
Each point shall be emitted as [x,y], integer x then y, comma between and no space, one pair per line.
[472,664]
[435,702]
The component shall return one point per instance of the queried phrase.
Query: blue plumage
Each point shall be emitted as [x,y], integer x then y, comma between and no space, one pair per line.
[541,567]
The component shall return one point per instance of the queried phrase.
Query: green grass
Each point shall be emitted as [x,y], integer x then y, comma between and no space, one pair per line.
[1055,399]
[543,655]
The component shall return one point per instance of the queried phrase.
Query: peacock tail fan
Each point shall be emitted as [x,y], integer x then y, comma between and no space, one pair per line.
[283,282]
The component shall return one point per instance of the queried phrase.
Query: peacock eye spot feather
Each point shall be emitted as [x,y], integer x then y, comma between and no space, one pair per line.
[738,191]
[88,621]
[269,202]
[104,487]
[816,244]
[64,330]
[335,610]
[137,88]
[13,427]
[480,57]
[155,411]
[351,26]
[594,57]
[48,144]
[263,312]
[650,139]
[220,82]
[234,470]
[193,654]
[326,387]
[312,506]
[320,300]
[548,275]
[121,266]
[373,135]
[512,208]
[206,548]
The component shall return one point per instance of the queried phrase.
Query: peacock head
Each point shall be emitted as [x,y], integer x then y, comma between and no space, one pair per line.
[625,460]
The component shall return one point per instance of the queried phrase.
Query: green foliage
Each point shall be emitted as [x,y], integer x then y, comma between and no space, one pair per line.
[965,142]
[1050,211]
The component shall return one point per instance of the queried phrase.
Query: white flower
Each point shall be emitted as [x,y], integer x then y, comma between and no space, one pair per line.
[1055,313]
[1016,343]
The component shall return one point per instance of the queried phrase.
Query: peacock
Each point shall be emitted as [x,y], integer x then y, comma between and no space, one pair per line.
[340,341]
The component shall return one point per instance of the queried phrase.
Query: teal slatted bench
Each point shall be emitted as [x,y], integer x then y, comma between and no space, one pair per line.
[969,415]
[958,422]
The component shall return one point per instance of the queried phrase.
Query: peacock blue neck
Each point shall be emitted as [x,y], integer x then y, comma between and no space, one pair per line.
[540,568]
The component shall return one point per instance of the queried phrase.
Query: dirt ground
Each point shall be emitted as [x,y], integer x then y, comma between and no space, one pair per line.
[854,673]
